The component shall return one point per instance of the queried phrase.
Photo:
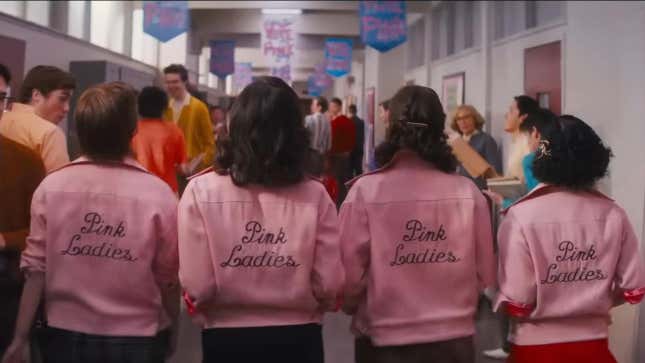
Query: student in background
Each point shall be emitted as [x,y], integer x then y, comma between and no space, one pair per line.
[416,243]
[343,140]
[43,102]
[567,253]
[5,89]
[158,145]
[218,119]
[518,111]
[258,240]
[469,124]
[318,125]
[21,170]
[192,117]
[102,247]
[356,156]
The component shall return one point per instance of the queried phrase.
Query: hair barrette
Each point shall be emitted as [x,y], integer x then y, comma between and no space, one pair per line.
[417,124]
[544,149]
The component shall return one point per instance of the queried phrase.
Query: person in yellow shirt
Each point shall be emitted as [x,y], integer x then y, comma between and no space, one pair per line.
[43,102]
[192,117]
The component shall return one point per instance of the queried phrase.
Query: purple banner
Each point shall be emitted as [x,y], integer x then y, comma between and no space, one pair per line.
[165,20]
[383,24]
[222,62]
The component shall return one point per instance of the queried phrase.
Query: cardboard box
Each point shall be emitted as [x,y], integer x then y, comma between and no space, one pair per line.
[470,159]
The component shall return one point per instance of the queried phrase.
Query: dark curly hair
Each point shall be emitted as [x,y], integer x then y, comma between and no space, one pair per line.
[417,123]
[267,142]
[571,154]
[538,119]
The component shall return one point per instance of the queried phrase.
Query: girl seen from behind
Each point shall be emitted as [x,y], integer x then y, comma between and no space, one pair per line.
[102,247]
[568,254]
[416,243]
[258,250]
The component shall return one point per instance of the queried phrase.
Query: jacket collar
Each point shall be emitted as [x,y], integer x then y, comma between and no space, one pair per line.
[401,157]
[543,189]
[127,162]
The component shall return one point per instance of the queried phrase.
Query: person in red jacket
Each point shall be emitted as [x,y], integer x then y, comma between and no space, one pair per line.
[343,138]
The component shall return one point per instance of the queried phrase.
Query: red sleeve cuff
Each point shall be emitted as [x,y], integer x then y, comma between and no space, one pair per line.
[634,296]
[190,305]
[518,310]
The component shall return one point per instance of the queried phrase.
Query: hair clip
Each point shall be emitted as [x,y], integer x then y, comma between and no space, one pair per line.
[417,124]
[544,149]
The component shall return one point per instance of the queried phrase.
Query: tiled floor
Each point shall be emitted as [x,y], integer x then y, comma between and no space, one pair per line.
[338,340]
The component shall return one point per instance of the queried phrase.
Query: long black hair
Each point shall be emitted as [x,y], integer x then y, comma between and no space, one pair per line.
[267,142]
[417,123]
[571,154]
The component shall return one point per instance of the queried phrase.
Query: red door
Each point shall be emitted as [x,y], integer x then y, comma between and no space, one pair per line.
[543,76]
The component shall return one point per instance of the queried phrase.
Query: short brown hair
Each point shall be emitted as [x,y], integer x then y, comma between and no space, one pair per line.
[479,120]
[45,79]
[177,69]
[106,120]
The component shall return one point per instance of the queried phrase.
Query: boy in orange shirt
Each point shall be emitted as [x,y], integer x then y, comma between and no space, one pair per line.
[158,145]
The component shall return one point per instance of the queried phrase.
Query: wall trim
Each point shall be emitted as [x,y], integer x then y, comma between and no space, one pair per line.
[461,54]
[52,32]
[529,32]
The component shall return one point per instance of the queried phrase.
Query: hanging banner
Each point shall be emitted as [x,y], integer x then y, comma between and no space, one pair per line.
[322,79]
[383,24]
[243,76]
[312,87]
[222,62]
[165,20]
[283,72]
[278,44]
[338,56]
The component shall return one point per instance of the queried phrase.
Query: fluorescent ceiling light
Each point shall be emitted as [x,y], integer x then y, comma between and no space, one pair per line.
[282,11]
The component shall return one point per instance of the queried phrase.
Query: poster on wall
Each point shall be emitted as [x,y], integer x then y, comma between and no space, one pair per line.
[243,76]
[278,44]
[338,56]
[383,24]
[453,92]
[222,62]
[165,20]
[370,107]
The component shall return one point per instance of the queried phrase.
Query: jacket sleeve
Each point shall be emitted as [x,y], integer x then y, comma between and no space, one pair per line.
[327,273]
[630,272]
[54,150]
[486,269]
[355,248]
[196,271]
[204,129]
[34,257]
[516,276]
[166,262]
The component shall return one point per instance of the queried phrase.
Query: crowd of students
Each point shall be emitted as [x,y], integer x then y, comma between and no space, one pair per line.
[261,253]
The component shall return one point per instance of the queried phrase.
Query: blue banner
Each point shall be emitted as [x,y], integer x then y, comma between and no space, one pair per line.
[222,61]
[165,20]
[338,56]
[383,24]
[312,87]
